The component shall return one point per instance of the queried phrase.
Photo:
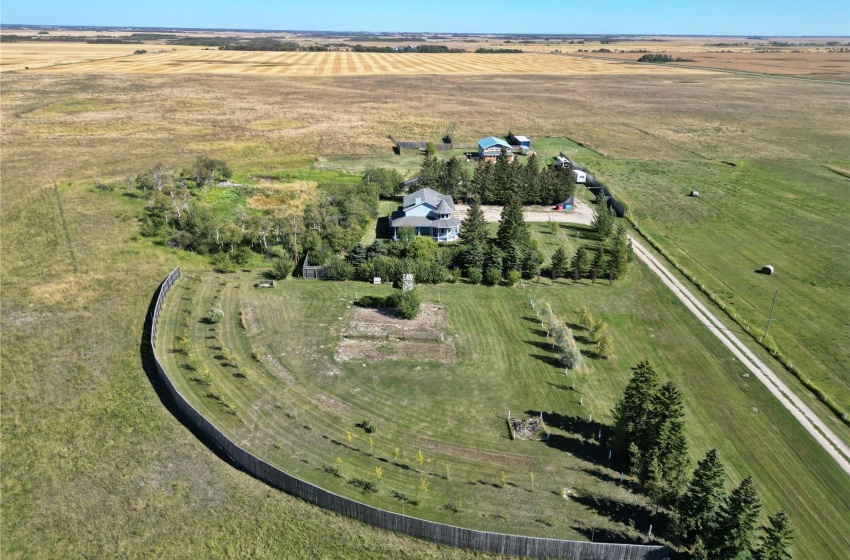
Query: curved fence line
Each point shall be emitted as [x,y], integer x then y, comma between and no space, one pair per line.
[496,543]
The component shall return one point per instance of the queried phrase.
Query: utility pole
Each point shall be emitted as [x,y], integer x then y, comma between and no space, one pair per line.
[770,317]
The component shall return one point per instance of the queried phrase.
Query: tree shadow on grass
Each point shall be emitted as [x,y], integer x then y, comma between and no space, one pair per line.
[601,535]
[541,344]
[585,450]
[550,360]
[577,425]
[626,513]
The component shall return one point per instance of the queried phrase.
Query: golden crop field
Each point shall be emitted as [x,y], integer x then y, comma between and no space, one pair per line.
[18,56]
[198,61]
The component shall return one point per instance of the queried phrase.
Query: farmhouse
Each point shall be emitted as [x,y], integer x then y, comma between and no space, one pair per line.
[429,213]
[490,148]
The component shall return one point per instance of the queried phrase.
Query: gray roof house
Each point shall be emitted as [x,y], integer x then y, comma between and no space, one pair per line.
[428,213]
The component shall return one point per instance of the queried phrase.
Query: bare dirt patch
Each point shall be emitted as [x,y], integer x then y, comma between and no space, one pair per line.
[382,334]
[581,213]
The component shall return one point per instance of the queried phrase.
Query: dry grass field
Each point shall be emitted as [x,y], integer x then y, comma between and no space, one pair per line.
[815,64]
[18,56]
[199,61]
[94,464]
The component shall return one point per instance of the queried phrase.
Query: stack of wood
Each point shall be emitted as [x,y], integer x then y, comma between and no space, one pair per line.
[528,428]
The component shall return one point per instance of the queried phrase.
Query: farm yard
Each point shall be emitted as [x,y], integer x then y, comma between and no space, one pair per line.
[96,465]
[304,409]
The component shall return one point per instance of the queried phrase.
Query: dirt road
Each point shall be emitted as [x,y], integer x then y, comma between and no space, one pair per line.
[814,425]
[581,213]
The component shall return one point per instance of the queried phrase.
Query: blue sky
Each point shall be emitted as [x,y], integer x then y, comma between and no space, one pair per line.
[718,17]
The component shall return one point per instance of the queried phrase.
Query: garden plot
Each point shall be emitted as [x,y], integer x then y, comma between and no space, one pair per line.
[383,334]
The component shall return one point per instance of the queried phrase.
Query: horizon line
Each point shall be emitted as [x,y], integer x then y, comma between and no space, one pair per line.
[459,33]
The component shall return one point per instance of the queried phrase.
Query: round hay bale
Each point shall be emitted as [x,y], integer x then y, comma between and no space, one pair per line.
[694,194]
[767,269]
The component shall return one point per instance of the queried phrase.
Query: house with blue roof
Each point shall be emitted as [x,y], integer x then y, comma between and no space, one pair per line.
[428,213]
[490,148]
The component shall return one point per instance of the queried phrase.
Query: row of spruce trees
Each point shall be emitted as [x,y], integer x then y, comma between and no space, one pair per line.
[498,183]
[649,436]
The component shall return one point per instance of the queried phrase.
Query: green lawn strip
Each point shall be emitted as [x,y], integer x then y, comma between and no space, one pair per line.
[460,406]
[823,412]
[788,214]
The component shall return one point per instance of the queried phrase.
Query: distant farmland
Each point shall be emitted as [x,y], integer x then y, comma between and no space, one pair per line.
[820,65]
[199,61]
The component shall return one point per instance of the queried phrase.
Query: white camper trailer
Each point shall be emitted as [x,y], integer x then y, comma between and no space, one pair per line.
[579,176]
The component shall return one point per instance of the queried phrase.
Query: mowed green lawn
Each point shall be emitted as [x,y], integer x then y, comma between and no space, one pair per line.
[299,412]
[792,214]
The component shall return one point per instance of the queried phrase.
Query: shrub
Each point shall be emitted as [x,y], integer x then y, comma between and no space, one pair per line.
[214,315]
[282,267]
[223,263]
[512,278]
[337,268]
[408,303]
[474,275]
[492,277]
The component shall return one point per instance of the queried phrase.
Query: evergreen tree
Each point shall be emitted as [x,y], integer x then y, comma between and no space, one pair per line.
[700,504]
[473,230]
[580,260]
[429,173]
[512,259]
[619,252]
[493,258]
[633,413]
[482,182]
[559,262]
[473,256]
[598,264]
[671,445]
[504,178]
[603,220]
[777,538]
[531,260]
[357,256]
[734,537]
[529,179]
[513,231]
[452,177]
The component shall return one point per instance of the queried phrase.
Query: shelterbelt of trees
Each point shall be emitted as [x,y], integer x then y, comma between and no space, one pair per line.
[183,210]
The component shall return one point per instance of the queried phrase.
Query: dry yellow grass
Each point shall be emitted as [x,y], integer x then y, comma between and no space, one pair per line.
[18,56]
[71,291]
[289,198]
[198,61]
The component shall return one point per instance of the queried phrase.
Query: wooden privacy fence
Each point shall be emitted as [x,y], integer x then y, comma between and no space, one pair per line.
[495,543]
